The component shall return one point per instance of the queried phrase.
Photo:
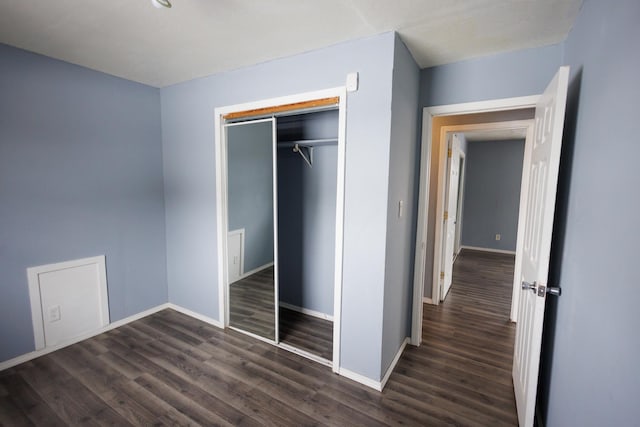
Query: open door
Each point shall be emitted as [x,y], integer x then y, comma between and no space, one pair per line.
[450,215]
[543,178]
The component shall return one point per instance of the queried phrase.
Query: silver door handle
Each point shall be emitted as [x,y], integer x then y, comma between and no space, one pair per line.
[529,286]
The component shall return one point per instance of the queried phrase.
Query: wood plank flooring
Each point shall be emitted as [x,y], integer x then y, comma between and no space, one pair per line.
[252,304]
[307,333]
[170,369]
[251,309]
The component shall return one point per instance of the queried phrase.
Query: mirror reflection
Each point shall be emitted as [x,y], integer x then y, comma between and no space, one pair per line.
[250,252]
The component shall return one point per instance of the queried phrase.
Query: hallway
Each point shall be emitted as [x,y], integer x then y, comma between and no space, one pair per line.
[463,367]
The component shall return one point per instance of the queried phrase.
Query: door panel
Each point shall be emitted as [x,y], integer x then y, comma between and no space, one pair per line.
[451,213]
[250,165]
[543,177]
[234,255]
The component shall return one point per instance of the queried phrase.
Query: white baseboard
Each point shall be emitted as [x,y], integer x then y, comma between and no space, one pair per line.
[497,251]
[37,353]
[195,315]
[427,300]
[376,385]
[306,311]
[394,362]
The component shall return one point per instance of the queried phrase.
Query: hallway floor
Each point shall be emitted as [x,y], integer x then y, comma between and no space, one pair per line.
[463,367]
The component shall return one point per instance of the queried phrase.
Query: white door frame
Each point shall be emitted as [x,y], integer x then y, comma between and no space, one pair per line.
[452,155]
[428,115]
[221,199]
[458,239]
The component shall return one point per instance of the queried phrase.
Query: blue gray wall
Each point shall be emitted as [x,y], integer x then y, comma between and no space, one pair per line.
[492,194]
[519,73]
[190,193]
[401,231]
[590,374]
[250,189]
[504,75]
[80,175]
[307,213]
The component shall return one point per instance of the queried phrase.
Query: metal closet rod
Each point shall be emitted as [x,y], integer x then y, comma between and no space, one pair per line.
[308,142]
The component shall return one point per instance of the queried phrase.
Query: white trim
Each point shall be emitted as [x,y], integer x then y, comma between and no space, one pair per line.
[426,300]
[394,362]
[306,311]
[33,278]
[195,315]
[460,207]
[376,385]
[438,241]
[423,199]
[37,353]
[274,194]
[305,354]
[492,105]
[221,199]
[421,233]
[241,232]
[339,246]
[478,248]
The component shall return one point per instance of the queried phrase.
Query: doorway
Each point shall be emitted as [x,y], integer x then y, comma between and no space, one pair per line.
[513,113]
[267,298]
[535,225]
[494,167]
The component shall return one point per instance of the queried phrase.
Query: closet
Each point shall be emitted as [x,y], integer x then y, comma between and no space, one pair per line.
[281,242]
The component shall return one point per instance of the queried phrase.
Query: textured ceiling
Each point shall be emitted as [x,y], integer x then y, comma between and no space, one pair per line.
[195,38]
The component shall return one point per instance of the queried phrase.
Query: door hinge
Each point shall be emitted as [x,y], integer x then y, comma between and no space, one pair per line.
[449,153]
[442,275]
[446,215]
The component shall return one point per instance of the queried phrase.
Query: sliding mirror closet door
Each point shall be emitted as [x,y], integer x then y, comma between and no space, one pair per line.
[251,274]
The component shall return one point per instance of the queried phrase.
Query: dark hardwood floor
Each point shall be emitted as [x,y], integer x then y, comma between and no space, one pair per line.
[170,369]
[251,309]
[307,333]
[252,304]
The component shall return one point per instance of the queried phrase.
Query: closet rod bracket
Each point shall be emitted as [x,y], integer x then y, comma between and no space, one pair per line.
[309,159]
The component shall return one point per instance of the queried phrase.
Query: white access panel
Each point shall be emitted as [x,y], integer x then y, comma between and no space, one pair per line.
[68,300]
[235,254]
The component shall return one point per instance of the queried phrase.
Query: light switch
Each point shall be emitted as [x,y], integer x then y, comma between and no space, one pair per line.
[54,313]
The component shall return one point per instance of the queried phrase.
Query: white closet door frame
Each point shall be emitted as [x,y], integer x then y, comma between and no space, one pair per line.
[225,235]
[221,202]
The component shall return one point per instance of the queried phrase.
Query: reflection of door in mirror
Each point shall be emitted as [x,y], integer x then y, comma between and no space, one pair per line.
[250,247]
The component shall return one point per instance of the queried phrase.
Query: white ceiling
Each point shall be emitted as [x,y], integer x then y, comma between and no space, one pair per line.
[195,38]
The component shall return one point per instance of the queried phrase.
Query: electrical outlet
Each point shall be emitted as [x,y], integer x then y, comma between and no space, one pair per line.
[54,313]
[498,237]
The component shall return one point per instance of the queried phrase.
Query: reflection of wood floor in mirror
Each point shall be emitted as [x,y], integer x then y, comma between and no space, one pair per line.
[307,333]
[251,309]
[251,304]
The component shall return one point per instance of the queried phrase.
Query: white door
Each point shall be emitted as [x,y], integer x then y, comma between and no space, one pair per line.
[234,255]
[459,205]
[541,196]
[450,215]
